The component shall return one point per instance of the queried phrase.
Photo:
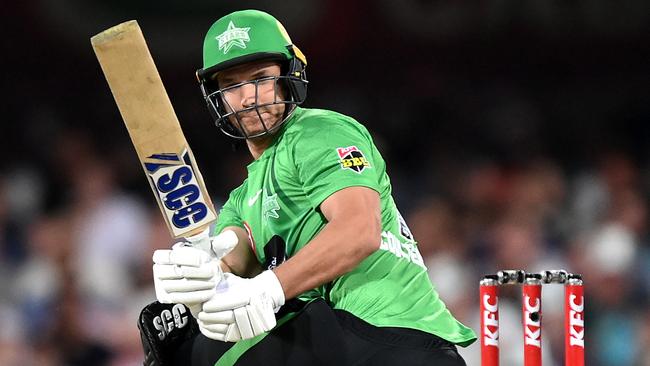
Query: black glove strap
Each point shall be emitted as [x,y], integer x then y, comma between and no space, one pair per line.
[163,329]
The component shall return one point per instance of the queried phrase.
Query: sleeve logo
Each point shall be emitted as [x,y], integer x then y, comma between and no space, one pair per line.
[352,158]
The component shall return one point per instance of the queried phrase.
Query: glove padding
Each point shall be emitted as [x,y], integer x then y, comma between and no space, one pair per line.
[163,328]
[217,246]
[187,273]
[242,308]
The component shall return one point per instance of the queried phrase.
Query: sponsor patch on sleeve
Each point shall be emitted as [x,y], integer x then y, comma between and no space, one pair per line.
[352,158]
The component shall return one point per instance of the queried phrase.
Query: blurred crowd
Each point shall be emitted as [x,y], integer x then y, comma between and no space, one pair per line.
[77,274]
[81,271]
[536,217]
[515,134]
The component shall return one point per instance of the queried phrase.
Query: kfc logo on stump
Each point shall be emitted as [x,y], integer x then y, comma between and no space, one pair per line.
[352,158]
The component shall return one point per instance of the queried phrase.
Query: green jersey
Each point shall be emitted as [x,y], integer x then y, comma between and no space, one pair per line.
[316,154]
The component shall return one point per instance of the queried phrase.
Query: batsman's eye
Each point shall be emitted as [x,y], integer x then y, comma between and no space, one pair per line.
[267,84]
[238,90]
[224,82]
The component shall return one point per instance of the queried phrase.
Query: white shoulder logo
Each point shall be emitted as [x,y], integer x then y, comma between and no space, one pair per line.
[233,36]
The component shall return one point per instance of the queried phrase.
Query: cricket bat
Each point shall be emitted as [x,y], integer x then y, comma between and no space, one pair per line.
[156,134]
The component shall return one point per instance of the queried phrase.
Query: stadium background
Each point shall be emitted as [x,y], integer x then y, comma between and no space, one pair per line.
[515,135]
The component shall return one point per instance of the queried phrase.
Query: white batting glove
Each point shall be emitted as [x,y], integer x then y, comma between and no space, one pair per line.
[188,275]
[185,275]
[217,246]
[242,308]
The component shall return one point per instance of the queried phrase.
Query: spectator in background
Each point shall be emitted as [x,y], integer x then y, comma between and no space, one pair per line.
[609,251]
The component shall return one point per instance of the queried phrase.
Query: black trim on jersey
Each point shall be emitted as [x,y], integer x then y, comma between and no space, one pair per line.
[289,204]
[275,252]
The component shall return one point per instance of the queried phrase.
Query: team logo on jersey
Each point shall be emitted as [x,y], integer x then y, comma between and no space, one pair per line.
[352,158]
[233,36]
[270,206]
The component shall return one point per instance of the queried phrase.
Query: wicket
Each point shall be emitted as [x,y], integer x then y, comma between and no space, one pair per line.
[532,314]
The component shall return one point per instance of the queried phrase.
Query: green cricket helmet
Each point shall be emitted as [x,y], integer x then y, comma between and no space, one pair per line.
[248,36]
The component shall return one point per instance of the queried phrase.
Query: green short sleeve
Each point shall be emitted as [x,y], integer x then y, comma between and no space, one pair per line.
[340,156]
[229,214]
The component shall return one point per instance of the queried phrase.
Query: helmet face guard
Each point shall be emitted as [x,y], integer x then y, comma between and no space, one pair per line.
[248,36]
[289,90]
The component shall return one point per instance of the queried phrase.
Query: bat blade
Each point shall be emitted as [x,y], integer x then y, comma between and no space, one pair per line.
[154,129]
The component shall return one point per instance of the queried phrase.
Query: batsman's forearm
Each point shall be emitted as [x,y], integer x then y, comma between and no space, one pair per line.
[241,260]
[336,250]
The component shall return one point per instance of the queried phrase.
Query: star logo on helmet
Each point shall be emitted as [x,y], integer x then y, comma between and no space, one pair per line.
[233,36]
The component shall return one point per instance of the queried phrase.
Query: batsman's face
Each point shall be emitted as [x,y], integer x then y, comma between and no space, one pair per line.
[251,91]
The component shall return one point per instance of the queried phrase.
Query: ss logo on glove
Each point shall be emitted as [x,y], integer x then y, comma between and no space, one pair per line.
[168,320]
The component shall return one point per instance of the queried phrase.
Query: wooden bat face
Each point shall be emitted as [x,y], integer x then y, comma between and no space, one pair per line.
[154,129]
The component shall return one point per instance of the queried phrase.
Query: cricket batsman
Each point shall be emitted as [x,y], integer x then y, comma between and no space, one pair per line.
[321,268]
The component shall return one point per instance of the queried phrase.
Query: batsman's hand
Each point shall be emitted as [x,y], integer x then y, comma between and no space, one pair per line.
[188,273]
[217,246]
[242,308]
